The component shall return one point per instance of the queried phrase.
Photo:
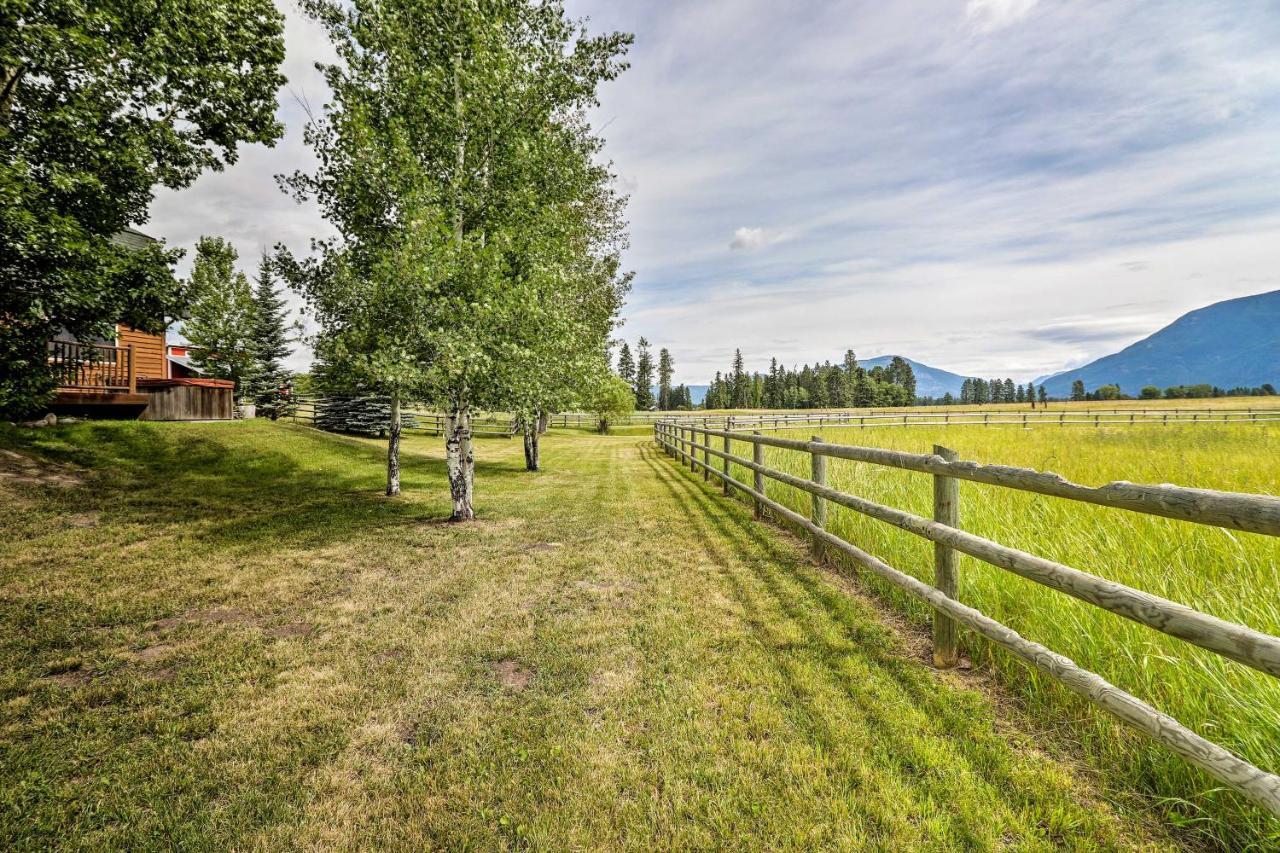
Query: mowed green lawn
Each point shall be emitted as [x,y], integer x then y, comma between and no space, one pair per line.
[222,635]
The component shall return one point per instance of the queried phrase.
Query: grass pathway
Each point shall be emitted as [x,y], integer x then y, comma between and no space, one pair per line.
[220,635]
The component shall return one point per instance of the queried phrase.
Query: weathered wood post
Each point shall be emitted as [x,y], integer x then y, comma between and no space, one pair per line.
[818,469]
[725,460]
[757,456]
[946,510]
[706,456]
[133,375]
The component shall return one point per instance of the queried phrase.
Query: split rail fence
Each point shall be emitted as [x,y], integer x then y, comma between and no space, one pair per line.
[304,411]
[1235,511]
[774,422]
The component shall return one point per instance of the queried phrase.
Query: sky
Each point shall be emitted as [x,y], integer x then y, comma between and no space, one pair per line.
[993,187]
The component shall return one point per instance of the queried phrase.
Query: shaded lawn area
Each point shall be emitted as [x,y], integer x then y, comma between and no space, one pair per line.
[222,635]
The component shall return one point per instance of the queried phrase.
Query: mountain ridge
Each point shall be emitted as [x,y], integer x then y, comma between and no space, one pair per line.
[1231,343]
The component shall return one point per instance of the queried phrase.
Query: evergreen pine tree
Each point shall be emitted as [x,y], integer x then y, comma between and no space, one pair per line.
[626,365]
[269,386]
[1042,395]
[738,383]
[644,376]
[665,370]
[1077,390]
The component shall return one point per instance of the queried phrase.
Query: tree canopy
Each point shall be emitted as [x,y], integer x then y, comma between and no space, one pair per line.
[100,103]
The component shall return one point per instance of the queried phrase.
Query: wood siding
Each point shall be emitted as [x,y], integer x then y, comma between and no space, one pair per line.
[148,352]
[188,403]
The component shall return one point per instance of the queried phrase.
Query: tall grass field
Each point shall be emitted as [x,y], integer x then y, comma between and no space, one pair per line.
[1235,576]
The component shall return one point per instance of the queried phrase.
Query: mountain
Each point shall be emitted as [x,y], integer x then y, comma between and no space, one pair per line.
[930,381]
[697,392]
[1228,344]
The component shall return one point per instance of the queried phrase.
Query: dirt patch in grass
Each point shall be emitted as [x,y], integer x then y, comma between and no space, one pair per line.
[211,616]
[512,675]
[291,629]
[84,519]
[69,678]
[543,546]
[19,468]
[152,653]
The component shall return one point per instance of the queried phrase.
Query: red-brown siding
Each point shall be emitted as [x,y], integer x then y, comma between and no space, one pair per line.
[148,352]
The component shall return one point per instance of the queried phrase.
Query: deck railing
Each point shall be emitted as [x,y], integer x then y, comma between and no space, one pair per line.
[1235,511]
[93,367]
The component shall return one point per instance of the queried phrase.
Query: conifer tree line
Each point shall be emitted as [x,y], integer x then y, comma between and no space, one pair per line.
[639,371]
[817,386]
[982,391]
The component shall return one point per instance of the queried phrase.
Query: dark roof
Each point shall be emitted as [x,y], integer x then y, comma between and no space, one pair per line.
[131,238]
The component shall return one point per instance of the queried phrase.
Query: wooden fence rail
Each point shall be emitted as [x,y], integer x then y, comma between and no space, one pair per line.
[1254,513]
[1050,417]
[304,409]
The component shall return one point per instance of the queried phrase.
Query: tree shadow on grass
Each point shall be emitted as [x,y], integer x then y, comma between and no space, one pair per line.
[296,486]
[893,681]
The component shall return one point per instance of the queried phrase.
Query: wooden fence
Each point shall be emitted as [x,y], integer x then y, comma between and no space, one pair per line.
[1253,513]
[303,410]
[778,421]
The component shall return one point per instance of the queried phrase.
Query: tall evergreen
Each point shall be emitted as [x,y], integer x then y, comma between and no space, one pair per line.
[626,365]
[644,376]
[738,383]
[665,370]
[1077,390]
[269,385]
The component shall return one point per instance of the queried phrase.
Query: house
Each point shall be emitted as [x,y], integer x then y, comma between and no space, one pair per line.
[133,374]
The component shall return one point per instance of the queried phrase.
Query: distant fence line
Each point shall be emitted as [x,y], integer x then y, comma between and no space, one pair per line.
[501,424]
[303,410]
[1237,511]
[1056,417]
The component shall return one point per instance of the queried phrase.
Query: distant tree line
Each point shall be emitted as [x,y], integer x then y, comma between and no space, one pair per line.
[638,372]
[1201,391]
[981,391]
[816,386]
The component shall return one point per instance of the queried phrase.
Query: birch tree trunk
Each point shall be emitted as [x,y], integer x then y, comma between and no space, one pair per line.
[460,461]
[531,427]
[393,448]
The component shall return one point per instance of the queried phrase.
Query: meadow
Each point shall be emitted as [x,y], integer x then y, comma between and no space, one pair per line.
[1228,574]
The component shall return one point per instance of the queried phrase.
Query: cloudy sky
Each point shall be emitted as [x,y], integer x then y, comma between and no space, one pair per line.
[988,186]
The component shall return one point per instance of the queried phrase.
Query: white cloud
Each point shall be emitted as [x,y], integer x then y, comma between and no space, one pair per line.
[752,239]
[991,15]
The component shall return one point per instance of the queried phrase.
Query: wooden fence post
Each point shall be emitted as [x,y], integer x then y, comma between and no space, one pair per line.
[818,468]
[946,510]
[757,456]
[706,456]
[726,464]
